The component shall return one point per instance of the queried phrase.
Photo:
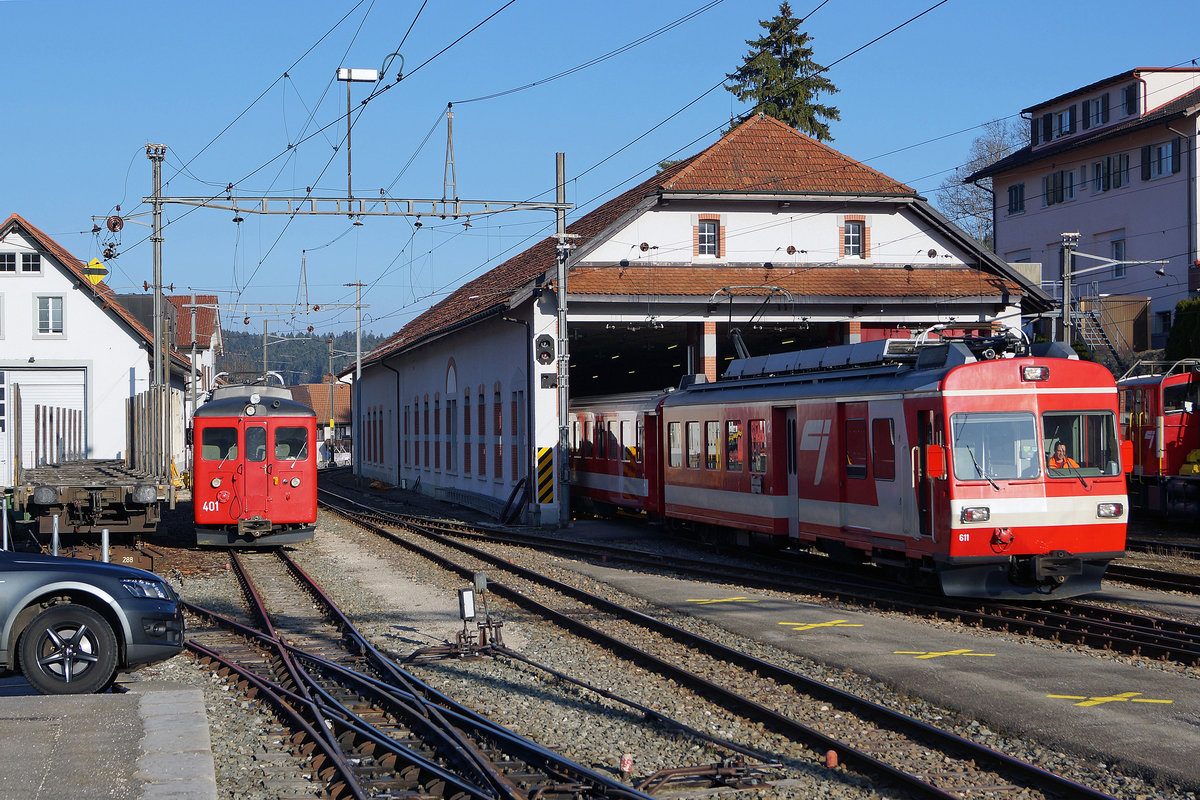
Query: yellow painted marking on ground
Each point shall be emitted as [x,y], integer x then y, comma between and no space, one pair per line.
[1123,697]
[808,626]
[934,654]
[724,600]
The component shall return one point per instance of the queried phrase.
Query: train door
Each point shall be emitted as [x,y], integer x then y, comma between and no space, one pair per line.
[793,481]
[925,485]
[254,467]
[859,506]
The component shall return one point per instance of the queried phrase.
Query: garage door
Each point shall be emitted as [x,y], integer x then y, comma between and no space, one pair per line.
[64,389]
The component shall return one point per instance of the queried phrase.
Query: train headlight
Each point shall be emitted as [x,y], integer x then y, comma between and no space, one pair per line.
[1110,510]
[251,411]
[295,482]
[975,514]
[216,482]
[1041,373]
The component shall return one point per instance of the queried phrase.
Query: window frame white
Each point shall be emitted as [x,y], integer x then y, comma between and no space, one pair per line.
[853,232]
[8,259]
[34,259]
[38,333]
[1016,198]
[708,232]
[1116,245]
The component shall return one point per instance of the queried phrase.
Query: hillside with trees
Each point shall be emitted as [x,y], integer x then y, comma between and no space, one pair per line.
[297,357]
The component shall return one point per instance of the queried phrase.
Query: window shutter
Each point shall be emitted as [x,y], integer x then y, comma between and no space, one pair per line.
[1087,114]
[1146,163]
[1034,128]
[1047,127]
[1176,147]
[1071,119]
[1131,99]
[1103,108]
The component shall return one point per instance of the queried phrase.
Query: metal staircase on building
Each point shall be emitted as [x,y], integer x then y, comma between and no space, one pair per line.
[1093,333]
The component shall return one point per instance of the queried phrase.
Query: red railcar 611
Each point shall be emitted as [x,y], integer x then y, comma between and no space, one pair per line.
[254,479]
[935,459]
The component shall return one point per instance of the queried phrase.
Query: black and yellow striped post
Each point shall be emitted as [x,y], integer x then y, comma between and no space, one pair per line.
[545,475]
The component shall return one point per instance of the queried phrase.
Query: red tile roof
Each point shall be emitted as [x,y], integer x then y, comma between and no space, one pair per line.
[206,319]
[101,292]
[822,281]
[765,155]
[316,397]
[760,156]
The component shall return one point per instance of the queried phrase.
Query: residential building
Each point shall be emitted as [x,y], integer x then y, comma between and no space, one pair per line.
[1113,161]
[73,351]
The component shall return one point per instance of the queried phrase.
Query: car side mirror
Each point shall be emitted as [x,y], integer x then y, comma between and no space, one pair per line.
[935,461]
[1127,455]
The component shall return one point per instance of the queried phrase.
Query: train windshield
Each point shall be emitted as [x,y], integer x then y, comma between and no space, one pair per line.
[1088,442]
[290,443]
[995,446]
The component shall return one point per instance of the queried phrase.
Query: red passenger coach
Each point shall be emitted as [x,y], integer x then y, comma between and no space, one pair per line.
[613,439]
[254,480]
[1159,415]
[929,458]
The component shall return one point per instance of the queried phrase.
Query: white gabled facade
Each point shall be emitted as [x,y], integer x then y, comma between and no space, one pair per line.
[66,345]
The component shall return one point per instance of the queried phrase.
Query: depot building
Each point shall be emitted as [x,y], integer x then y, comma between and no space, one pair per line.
[767,231]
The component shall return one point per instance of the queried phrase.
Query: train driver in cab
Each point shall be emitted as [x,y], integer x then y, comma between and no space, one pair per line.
[1060,459]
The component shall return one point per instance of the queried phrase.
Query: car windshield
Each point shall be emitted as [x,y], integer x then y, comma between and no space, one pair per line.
[995,446]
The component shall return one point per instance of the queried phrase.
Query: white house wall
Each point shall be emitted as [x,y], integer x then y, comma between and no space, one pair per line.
[764,234]
[115,361]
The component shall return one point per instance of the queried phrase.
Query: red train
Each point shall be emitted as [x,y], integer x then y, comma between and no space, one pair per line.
[1159,415]
[927,458]
[254,478]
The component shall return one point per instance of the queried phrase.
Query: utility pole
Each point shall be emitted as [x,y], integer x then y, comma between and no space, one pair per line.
[1069,242]
[356,423]
[192,382]
[563,252]
[264,349]
[159,383]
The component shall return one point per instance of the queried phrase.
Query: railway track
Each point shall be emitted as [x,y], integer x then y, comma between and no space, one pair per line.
[370,728]
[885,745]
[1069,621]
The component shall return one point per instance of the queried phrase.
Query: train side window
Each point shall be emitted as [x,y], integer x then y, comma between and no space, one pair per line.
[758,445]
[641,440]
[694,445]
[674,445]
[614,444]
[218,444]
[291,443]
[256,443]
[712,445]
[629,448]
[856,448]
[586,444]
[734,455]
[883,443]
[1177,397]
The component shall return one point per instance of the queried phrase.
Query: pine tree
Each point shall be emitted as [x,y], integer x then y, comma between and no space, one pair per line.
[779,75]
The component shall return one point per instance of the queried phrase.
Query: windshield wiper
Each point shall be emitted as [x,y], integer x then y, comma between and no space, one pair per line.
[980,469]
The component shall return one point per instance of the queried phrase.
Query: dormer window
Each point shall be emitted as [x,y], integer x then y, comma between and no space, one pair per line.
[1064,122]
[1095,111]
[1129,99]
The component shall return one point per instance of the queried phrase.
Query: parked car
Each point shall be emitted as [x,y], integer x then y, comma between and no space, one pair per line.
[70,625]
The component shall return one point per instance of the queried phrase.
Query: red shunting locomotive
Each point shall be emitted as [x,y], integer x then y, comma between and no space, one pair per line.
[254,479]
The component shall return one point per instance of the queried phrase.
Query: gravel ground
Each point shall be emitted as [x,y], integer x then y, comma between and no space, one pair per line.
[404,603]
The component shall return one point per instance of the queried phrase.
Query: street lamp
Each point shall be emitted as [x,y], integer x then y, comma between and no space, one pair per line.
[353,76]
[1069,242]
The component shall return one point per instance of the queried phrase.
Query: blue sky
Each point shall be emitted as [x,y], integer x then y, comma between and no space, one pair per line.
[243,93]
